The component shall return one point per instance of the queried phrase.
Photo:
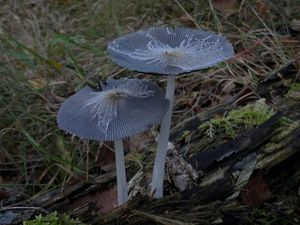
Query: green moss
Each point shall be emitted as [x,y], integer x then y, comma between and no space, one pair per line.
[295,87]
[249,116]
[53,219]
[184,135]
[294,92]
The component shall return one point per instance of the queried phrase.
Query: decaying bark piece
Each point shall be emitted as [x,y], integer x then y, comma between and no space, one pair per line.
[231,150]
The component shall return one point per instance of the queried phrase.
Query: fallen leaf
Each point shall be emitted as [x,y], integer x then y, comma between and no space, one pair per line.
[262,7]
[37,83]
[187,21]
[105,157]
[108,200]
[226,7]
[255,192]
[105,201]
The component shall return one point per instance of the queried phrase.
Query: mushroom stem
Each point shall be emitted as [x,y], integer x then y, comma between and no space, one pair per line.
[162,146]
[121,173]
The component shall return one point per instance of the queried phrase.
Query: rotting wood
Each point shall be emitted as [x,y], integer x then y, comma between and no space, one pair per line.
[207,159]
[225,170]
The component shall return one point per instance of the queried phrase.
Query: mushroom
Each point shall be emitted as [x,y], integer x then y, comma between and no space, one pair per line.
[170,52]
[121,109]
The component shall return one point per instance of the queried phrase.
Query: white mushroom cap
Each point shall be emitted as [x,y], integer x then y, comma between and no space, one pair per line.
[169,51]
[124,108]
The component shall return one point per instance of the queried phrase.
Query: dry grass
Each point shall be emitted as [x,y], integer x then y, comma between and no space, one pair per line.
[50,48]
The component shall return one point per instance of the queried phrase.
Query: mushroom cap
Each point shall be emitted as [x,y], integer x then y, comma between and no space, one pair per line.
[124,108]
[169,51]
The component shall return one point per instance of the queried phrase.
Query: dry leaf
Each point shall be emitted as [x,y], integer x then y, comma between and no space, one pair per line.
[262,7]
[226,7]
[105,157]
[187,21]
[37,83]
[105,201]
[255,192]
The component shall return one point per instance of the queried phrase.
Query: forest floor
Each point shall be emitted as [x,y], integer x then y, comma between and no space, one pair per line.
[52,48]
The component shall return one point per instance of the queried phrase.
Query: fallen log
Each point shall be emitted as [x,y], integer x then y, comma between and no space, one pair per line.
[210,179]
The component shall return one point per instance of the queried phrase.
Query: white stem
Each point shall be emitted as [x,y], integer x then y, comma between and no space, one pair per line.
[121,173]
[162,146]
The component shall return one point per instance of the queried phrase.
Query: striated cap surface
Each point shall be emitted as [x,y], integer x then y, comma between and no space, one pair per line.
[169,51]
[124,108]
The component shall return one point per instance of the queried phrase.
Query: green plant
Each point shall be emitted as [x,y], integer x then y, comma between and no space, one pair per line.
[53,219]
[246,117]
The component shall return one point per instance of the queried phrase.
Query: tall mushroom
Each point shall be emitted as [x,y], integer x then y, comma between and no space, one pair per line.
[121,109]
[168,51]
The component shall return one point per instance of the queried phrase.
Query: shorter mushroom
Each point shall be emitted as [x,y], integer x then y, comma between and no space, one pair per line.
[121,109]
